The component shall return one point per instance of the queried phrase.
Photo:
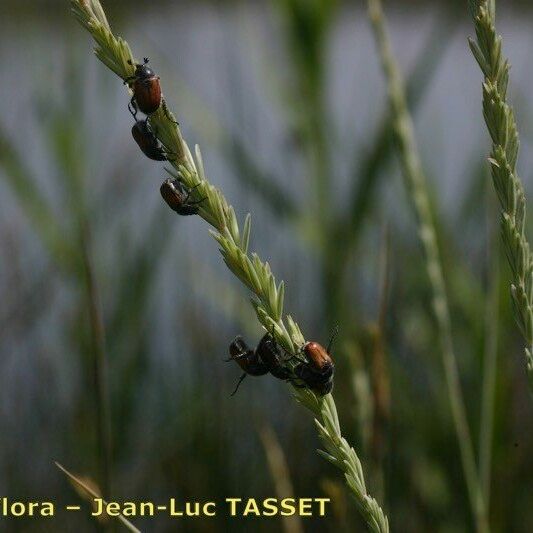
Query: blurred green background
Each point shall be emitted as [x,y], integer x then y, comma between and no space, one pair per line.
[287,101]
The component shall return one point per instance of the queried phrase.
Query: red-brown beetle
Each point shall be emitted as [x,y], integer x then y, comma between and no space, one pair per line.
[267,357]
[146,89]
[148,142]
[318,369]
[177,197]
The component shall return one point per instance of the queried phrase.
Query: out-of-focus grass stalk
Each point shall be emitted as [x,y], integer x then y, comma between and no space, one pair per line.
[417,188]
[380,372]
[28,194]
[363,399]
[489,357]
[308,23]
[306,29]
[103,414]
[368,168]
[66,143]
[115,53]
[280,475]
[501,124]
[72,256]
[93,494]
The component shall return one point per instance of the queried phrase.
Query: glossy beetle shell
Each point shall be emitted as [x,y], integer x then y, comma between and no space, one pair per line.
[172,194]
[317,355]
[177,199]
[317,372]
[143,71]
[147,94]
[147,141]
[270,353]
[247,358]
[320,382]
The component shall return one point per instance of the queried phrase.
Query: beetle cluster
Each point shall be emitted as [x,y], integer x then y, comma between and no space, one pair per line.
[314,368]
[266,358]
[147,98]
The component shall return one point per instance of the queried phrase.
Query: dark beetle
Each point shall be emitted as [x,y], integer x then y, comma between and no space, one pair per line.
[318,368]
[148,142]
[247,359]
[177,197]
[146,89]
[264,359]
[269,352]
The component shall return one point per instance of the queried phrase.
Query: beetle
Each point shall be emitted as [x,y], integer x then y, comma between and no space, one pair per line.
[177,197]
[318,368]
[146,89]
[148,142]
[247,359]
[264,359]
[269,351]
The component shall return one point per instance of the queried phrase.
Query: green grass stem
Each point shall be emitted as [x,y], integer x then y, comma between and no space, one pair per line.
[501,125]
[415,181]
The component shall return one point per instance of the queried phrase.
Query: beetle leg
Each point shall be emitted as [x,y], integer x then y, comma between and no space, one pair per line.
[188,195]
[149,126]
[289,356]
[196,202]
[238,384]
[186,210]
[132,108]
[236,357]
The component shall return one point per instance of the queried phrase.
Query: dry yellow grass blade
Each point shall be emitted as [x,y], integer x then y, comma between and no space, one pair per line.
[94,494]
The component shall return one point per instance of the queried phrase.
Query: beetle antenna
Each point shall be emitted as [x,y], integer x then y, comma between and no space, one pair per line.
[238,384]
[146,60]
[332,338]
